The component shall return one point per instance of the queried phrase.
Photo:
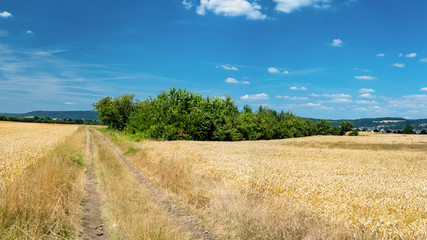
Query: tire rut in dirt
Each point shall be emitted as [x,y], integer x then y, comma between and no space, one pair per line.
[186,222]
[93,226]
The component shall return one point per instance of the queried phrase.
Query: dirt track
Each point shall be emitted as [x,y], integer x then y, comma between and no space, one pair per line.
[93,226]
[185,221]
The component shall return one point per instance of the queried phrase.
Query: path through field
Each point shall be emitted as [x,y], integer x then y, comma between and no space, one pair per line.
[185,221]
[93,226]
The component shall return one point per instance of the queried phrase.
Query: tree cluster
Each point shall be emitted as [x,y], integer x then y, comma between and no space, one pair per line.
[49,120]
[180,114]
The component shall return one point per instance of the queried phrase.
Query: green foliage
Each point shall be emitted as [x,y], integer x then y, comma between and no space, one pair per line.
[354,132]
[132,150]
[183,115]
[115,112]
[408,129]
[345,127]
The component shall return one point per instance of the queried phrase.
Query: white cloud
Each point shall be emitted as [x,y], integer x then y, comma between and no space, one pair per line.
[231,80]
[227,67]
[5,14]
[424,89]
[287,6]
[187,4]
[251,97]
[366,102]
[245,82]
[285,72]
[232,8]
[410,102]
[411,55]
[423,60]
[273,70]
[341,95]
[70,103]
[340,100]
[365,77]
[366,95]
[380,55]
[366,90]
[298,88]
[401,55]
[337,43]
[398,65]
[314,95]
[293,98]
[29,32]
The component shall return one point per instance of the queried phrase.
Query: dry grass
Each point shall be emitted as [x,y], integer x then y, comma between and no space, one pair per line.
[43,201]
[22,144]
[372,186]
[128,211]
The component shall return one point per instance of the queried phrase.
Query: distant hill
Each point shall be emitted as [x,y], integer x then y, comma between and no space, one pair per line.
[386,123]
[86,115]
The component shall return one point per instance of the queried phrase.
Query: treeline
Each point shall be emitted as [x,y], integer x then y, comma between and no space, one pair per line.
[49,120]
[180,114]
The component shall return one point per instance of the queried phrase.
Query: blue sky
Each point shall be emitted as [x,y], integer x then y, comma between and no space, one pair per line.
[317,58]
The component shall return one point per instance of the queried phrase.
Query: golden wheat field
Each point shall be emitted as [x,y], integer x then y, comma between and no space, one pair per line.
[372,183]
[21,144]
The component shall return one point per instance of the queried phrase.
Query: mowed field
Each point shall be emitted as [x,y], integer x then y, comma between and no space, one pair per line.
[24,143]
[370,186]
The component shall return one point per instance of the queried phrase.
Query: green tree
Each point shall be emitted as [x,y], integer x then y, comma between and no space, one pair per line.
[354,132]
[116,112]
[345,127]
[408,129]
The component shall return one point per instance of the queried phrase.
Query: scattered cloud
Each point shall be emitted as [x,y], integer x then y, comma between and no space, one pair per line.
[401,55]
[293,98]
[287,6]
[314,95]
[5,14]
[337,43]
[285,72]
[366,102]
[29,32]
[341,95]
[423,60]
[187,4]
[340,100]
[228,67]
[410,102]
[365,77]
[424,89]
[232,8]
[380,55]
[231,80]
[70,103]
[366,95]
[366,90]
[251,97]
[298,88]
[273,70]
[317,105]
[398,65]
[411,55]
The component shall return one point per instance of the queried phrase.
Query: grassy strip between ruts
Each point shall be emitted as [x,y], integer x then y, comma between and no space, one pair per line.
[128,211]
[44,202]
